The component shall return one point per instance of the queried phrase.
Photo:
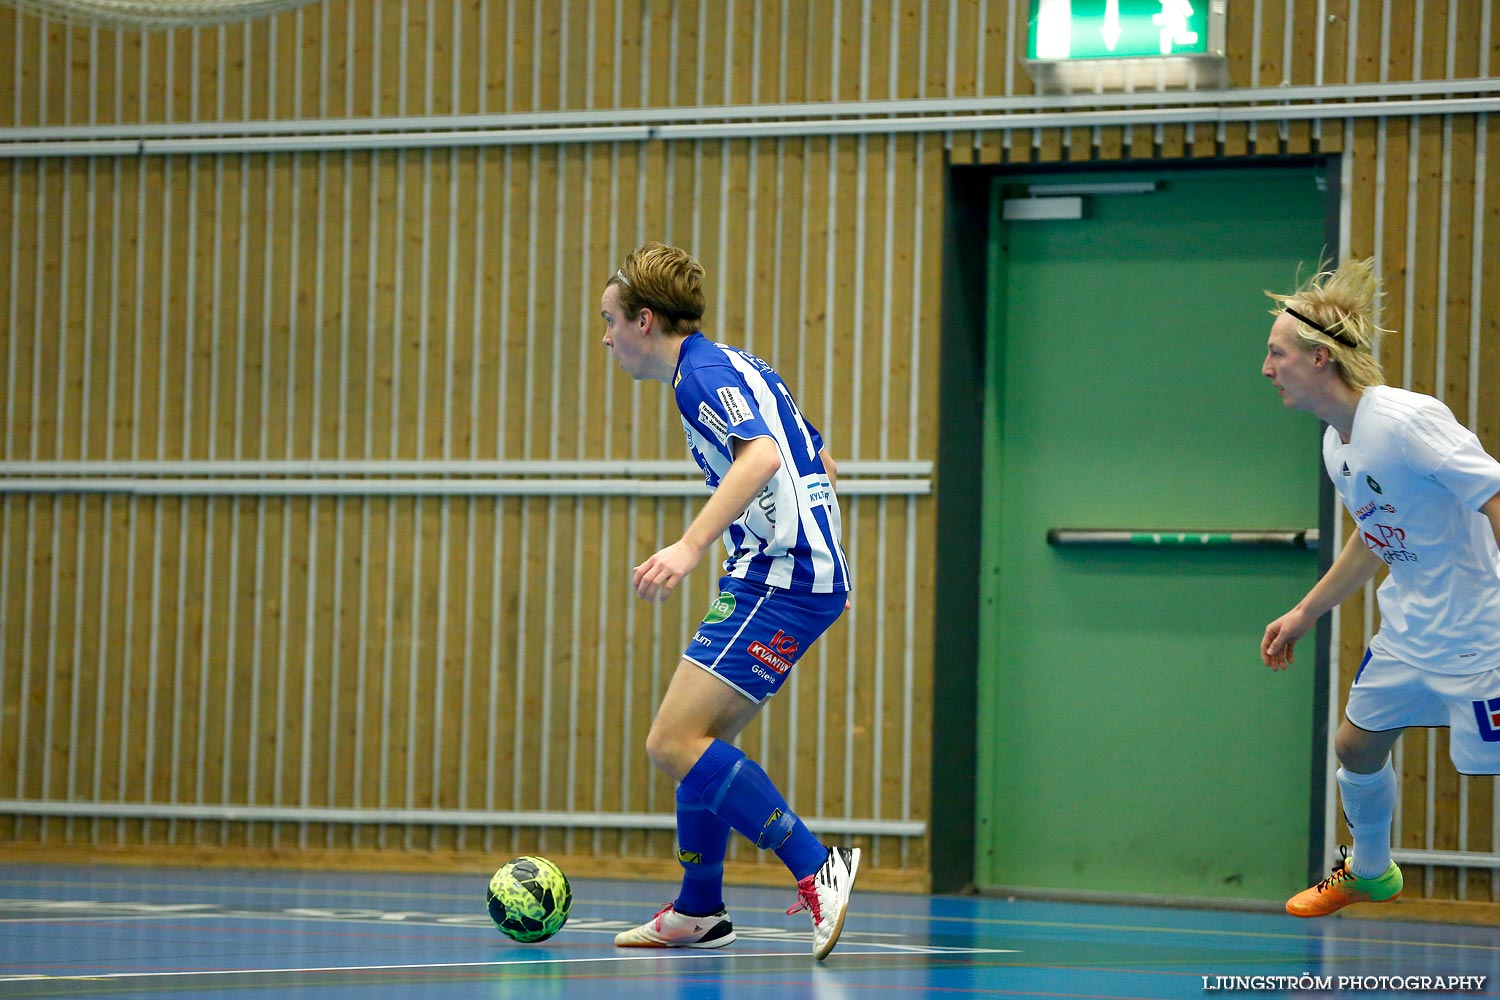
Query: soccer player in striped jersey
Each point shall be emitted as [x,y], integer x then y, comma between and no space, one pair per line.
[786,580]
[1425,499]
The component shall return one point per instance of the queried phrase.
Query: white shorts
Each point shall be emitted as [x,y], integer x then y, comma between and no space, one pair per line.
[1388,693]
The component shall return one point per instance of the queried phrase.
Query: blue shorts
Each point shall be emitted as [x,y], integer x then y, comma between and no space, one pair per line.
[753,634]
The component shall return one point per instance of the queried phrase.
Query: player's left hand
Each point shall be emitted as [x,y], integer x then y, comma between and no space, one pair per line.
[657,577]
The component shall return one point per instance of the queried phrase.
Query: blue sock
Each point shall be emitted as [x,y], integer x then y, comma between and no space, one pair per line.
[739,792]
[702,842]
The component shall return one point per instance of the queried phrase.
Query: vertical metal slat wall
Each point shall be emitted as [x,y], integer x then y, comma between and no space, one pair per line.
[207,653]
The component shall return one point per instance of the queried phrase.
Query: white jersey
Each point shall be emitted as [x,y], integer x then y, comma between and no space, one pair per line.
[1413,479]
[789,536]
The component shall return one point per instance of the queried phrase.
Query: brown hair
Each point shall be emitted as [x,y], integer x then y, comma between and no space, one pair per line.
[665,279]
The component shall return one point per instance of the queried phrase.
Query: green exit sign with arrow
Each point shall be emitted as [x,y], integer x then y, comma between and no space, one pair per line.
[1173,42]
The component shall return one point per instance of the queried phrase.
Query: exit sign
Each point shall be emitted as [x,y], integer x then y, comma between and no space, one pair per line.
[1174,42]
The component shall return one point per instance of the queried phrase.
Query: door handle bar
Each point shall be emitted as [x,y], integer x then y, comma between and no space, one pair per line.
[1197,538]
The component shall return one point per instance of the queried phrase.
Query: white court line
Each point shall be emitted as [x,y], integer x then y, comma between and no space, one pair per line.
[584,925]
[80,918]
[657,955]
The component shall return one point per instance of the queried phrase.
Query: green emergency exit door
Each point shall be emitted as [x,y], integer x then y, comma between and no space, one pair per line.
[1130,741]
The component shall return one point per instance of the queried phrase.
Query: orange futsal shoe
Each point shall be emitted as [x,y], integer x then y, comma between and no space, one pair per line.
[1344,887]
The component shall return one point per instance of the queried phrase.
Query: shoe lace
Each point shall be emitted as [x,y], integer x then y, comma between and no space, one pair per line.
[662,912]
[807,898]
[1340,873]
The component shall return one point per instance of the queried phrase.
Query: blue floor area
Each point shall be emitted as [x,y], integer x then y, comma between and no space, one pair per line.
[132,932]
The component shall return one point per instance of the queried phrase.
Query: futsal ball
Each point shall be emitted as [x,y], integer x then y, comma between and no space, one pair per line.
[529,899]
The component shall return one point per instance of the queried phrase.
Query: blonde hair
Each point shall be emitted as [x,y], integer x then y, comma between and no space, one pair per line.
[1336,310]
[666,280]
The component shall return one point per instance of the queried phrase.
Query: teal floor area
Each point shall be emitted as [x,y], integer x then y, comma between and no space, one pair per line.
[134,932]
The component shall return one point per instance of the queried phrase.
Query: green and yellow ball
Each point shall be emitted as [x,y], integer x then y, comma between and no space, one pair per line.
[529,899]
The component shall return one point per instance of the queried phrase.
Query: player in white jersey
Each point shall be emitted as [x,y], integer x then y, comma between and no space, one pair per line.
[786,580]
[1425,498]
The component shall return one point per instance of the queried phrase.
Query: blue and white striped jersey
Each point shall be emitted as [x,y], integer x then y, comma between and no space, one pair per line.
[789,536]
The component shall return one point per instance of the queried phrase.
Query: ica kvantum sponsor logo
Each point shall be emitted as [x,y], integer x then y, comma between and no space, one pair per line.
[779,654]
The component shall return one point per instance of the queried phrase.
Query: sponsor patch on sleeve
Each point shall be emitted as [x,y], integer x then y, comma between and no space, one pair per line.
[735,407]
[711,420]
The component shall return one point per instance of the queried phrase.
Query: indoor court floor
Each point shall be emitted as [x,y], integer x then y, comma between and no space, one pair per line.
[137,932]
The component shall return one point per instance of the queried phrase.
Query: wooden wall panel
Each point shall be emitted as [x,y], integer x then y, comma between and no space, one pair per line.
[482,653]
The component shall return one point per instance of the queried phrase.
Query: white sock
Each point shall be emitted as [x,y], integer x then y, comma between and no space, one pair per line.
[1369,808]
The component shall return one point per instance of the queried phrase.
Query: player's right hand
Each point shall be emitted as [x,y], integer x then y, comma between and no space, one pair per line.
[657,577]
[1281,637]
